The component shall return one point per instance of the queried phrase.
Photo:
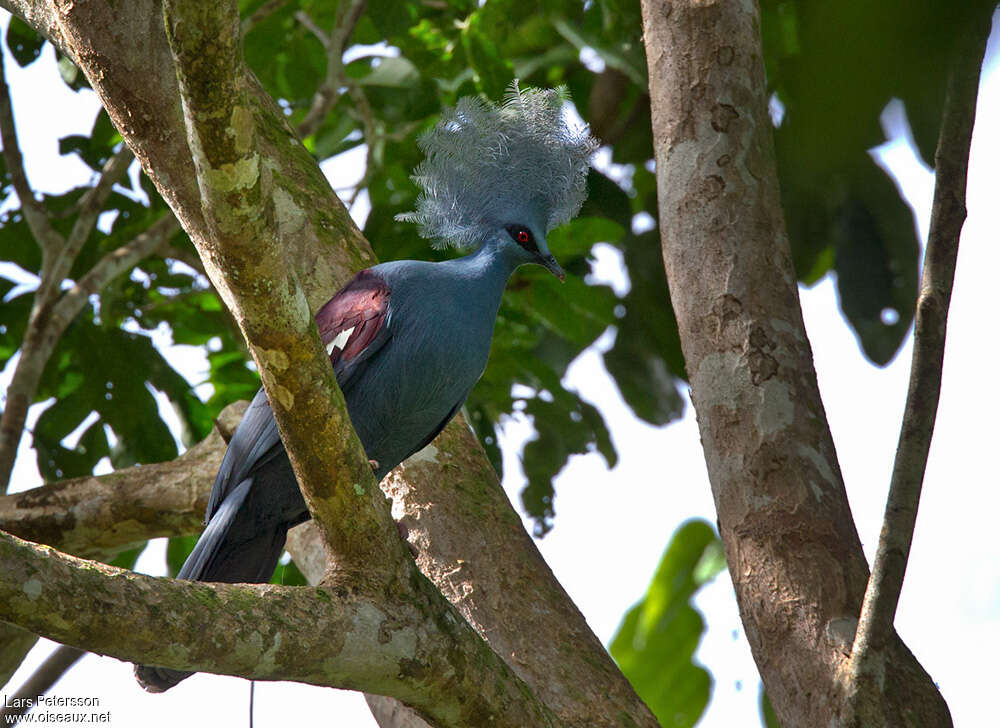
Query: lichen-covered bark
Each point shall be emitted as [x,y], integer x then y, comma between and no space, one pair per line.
[249,268]
[793,552]
[460,555]
[382,642]
[99,516]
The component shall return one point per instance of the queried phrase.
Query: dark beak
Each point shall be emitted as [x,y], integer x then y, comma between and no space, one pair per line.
[549,262]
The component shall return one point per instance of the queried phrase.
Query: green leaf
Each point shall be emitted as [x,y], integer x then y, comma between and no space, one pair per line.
[628,57]
[492,72]
[391,17]
[646,360]
[876,260]
[566,426]
[14,321]
[127,559]
[842,213]
[178,549]
[578,236]
[767,715]
[656,641]
[395,73]
[71,75]
[288,575]
[24,43]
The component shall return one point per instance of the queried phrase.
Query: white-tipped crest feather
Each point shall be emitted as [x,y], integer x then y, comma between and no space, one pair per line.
[485,162]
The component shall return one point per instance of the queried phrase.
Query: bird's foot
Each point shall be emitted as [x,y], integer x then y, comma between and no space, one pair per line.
[373,464]
[404,534]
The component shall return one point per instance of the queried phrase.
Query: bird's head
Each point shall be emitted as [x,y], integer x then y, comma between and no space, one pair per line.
[528,246]
[508,173]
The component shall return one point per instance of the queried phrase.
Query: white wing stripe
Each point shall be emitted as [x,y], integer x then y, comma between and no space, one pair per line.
[340,340]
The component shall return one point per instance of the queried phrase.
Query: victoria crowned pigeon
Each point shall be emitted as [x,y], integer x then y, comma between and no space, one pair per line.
[408,339]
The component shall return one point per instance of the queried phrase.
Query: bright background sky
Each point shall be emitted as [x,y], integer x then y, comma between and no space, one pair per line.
[612,526]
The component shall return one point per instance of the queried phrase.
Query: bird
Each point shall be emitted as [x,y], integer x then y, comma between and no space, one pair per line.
[408,339]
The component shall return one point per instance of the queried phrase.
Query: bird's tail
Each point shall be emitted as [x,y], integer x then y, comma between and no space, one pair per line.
[221,555]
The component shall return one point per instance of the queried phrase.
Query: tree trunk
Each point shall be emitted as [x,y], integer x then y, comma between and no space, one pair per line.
[793,552]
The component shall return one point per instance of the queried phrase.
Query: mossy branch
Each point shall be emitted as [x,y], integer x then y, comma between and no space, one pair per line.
[250,270]
[340,637]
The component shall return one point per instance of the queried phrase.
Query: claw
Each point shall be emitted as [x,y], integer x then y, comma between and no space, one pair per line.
[374,465]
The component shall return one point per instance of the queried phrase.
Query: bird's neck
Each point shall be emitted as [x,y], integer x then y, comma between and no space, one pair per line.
[490,265]
[488,270]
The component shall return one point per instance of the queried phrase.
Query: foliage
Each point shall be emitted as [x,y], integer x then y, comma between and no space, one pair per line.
[657,638]
[834,68]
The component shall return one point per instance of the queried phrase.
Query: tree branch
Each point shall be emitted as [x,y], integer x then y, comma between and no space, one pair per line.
[50,316]
[951,161]
[368,640]
[90,207]
[793,552]
[34,212]
[239,210]
[335,44]
[100,516]
[112,265]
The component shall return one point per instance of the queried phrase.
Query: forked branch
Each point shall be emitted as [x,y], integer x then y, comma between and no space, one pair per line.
[947,217]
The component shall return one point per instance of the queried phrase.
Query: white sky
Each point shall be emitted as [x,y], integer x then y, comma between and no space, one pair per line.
[612,526]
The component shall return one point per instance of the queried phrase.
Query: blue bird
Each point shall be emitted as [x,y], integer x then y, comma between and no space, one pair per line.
[408,339]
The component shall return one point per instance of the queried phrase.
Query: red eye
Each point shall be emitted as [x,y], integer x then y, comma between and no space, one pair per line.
[523,236]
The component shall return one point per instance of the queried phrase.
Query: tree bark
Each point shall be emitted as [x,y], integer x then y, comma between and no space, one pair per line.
[136,82]
[948,213]
[98,516]
[381,641]
[793,552]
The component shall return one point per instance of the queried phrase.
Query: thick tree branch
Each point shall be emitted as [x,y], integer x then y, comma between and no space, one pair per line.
[349,638]
[239,210]
[101,515]
[951,161]
[791,545]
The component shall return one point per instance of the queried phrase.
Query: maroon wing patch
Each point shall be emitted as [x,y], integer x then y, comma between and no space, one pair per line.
[349,321]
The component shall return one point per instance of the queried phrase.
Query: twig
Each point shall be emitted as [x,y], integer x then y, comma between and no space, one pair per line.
[272,6]
[49,319]
[90,207]
[334,44]
[336,78]
[947,217]
[47,674]
[111,266]
[34,213]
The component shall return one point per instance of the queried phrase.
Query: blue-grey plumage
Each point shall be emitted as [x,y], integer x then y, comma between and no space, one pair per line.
[408,340]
